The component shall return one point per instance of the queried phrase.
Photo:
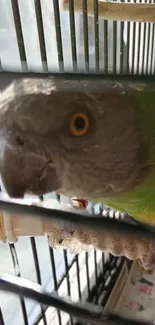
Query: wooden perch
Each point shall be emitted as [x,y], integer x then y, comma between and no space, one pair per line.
[118,11]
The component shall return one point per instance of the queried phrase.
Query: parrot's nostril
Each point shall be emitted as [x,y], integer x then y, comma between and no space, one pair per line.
[20,141]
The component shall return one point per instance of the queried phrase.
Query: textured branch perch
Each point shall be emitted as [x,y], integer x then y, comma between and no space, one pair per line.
[76,240]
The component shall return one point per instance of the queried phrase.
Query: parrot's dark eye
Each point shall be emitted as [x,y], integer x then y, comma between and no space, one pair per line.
[79,124]
[20,141]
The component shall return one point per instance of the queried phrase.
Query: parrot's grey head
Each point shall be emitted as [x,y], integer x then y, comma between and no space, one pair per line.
[84,144]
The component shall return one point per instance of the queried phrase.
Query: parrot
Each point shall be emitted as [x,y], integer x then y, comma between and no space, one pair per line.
[95,145]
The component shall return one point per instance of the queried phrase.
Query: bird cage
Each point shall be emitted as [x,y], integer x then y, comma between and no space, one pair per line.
[82,45]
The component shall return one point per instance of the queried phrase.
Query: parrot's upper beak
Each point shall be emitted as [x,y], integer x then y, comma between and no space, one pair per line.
[17,183]
[26,169]
[13,190]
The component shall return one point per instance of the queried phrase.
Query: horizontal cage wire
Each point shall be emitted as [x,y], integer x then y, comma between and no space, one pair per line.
[84,42]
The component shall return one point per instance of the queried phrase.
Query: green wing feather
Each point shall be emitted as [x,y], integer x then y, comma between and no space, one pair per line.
[140,202]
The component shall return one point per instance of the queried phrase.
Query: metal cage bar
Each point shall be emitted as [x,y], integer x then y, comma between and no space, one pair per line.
[17,273]
[121,47]
[58,35]
[116,26]
[114,46]
[85,31]
[1,318]
[56,286]
[82,311]
[105,46]
[96,33]
[67,278]
[73,34]
[42,44]
[82,220]
[96,276]
[87,274]
[19,34]
[78,277]
[26,288]
[38,273]
[100,287]
[152,48]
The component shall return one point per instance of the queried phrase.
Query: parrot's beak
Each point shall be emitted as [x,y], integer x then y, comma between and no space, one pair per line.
[27,170]
[31,181]
[38,182]
[14,191]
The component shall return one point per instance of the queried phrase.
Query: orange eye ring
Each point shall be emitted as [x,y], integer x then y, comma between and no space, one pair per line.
[79,124]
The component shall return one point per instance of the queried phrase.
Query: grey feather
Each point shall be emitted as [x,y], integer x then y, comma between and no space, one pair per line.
[39,154]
